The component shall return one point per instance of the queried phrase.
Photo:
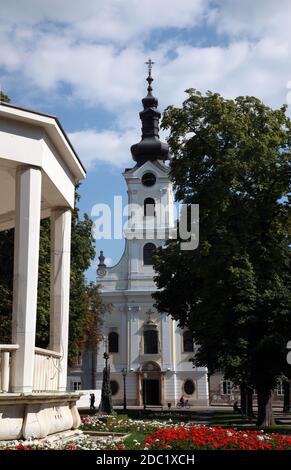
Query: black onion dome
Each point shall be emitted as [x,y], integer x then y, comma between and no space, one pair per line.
[150,147]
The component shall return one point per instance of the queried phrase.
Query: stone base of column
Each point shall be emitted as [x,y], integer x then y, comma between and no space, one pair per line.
[37,415]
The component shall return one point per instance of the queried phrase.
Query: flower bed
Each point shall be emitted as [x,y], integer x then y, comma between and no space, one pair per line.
[158,435]
[81,443]
[215,438]
[117,424]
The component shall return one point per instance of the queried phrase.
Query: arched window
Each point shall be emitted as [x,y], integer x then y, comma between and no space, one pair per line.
[114,387]
[149,207]
[188,343]
[148,251]
[150,338]
[113,342]
[189,387]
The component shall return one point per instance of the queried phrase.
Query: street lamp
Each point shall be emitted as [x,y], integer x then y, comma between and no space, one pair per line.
[124,373]
[145,376]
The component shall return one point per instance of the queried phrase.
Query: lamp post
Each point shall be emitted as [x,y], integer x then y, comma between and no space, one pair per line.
[106,357]
[145,376]
[124,373]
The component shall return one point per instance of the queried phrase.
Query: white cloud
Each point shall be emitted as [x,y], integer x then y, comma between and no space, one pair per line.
[113,20]
[97,48]
[253,18]
[106,147]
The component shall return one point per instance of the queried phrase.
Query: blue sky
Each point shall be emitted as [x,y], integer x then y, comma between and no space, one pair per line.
[84,62]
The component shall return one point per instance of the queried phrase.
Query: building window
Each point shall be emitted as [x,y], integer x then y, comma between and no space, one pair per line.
[189,387]
[148,179]
[226,387]
[114,387]
[113,342]
[79,359]
[188,343]
[280,388]
[150,341]
[149,207]
[148,252]
[77,385]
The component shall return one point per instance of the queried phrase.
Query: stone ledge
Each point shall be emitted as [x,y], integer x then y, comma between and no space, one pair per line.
[41,397]
[36,416]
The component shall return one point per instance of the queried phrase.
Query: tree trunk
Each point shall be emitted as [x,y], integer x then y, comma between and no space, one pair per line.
[249,399]
[265,412]
[94,368]
[246,400]
[286,406]
[243,401]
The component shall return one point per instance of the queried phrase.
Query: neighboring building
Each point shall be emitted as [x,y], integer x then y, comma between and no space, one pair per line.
[149,345]
[224,392]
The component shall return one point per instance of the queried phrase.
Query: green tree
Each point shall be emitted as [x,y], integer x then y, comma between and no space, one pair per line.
[4,97]
[82,296]
[232,157]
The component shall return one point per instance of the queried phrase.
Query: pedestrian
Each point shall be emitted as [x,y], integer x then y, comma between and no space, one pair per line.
[92,401]
[236,408]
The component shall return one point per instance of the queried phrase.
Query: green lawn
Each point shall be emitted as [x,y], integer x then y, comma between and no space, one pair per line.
[129,441]
[229,419]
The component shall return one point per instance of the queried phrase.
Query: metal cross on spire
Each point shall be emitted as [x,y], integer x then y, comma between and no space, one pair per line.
[150,64]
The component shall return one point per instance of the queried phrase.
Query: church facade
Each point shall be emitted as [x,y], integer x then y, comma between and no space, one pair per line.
[147,346]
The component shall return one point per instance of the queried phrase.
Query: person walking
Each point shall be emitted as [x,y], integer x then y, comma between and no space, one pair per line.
[92,401]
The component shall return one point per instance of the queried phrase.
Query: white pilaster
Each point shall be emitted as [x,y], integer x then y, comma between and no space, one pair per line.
[25,278]
[60,287]
[166,342]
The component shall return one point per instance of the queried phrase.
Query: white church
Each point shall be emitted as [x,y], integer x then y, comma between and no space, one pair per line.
[147,345]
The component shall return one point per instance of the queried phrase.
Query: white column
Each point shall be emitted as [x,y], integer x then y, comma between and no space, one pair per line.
[4,383]
[167,342]
[60,287]
[25,278]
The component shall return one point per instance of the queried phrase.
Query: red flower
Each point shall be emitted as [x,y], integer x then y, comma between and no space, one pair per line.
[200,437]
[21,447]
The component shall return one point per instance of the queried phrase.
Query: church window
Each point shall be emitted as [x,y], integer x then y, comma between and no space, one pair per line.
[148,251]
[189,387]
[149,207]
[113,340]
[150,341]
[114,387]
[79,359]
[188,343]
[148,179]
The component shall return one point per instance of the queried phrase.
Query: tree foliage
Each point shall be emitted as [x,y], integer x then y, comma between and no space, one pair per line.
[232,157]
[4,97]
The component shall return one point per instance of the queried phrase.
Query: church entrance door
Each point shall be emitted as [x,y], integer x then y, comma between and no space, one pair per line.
[150,380]
[151,391]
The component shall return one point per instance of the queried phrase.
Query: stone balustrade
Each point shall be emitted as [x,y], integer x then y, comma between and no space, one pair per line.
[5,365]
[46,370]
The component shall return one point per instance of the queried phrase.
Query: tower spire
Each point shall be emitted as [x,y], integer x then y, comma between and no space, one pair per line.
[150,147]
[150,64]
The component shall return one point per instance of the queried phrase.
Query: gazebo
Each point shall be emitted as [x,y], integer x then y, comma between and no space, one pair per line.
[38,173]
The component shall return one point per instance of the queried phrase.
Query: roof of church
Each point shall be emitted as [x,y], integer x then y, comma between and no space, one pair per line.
[150,147]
